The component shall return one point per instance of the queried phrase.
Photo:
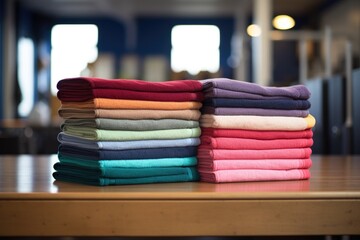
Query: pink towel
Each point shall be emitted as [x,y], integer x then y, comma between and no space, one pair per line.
[245,143]
[262,123]
[245,175]
[253,134]
[218,154]
[274,164]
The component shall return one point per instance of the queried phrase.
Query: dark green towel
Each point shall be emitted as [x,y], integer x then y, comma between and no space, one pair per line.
[190,176]
[118,172]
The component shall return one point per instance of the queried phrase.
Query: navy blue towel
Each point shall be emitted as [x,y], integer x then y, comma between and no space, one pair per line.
[144,153]
[288,104]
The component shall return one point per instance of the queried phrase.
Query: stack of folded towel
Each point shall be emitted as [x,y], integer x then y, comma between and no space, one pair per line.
[254,133]
[128,131]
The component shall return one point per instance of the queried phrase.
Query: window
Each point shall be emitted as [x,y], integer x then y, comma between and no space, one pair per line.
[195,48]
[74,46]
[26,75]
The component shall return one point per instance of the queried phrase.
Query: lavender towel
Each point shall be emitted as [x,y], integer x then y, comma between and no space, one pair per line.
[296,91]
[224,93]
[254,111]
[286,104]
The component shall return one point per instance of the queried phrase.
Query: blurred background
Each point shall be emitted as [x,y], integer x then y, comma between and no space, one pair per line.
[269,42]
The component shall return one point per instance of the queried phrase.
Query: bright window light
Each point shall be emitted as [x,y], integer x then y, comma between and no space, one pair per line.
[26,75]
[195,48]
[73,47]
[283,22]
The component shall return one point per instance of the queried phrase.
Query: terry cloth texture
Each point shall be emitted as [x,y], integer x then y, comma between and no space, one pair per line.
[295,92]
[285,104]
[253,111]
[106,103]
[246,175]
[171,152]
[273,164]
[135,114]
[123,135]
[264,123]
[130,124]
[123,145]
[256,134]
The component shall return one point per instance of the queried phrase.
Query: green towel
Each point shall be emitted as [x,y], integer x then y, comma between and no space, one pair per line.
[130,163]
[116,172]
[119,135]
[132,125]
[191,175]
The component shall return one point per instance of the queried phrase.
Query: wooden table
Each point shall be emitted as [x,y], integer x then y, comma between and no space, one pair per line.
[33,204]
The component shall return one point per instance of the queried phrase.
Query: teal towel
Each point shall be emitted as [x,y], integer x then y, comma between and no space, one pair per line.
[191,176]
[116,172]
[130,163]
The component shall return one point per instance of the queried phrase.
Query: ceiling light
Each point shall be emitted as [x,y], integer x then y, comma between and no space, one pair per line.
[283,22]
[253,30]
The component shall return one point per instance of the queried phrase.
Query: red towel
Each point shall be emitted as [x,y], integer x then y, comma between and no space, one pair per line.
[246,143]
[71,95]
[246,175]
[274,164]
[253,134]
[218,154]
[78,89]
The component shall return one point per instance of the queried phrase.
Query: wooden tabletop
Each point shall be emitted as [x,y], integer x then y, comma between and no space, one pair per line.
[33,203]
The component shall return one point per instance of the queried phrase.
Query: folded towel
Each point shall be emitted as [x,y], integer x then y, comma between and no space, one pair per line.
[130,124]
[270,164]
[256,134]
[123,145]
[226,154]
[285,104]
[79,96]
[143,153]
[254,144]
[129,163]
[250,122]
[224,93]
[77,113]
[191,175]
[253,111]
[83,84]
[117,172]
[246,175]
[122,135]
[296,92]
[107,103]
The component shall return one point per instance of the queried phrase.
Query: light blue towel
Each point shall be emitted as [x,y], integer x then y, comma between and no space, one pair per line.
[66,139]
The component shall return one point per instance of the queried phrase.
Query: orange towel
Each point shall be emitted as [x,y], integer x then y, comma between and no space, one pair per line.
[107,103]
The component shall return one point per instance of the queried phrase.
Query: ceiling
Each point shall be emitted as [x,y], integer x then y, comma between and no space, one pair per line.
[183,8]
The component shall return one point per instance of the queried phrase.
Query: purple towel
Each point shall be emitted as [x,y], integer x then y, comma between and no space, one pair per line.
[224,93]
[254,111]
[296,91]
[289,104]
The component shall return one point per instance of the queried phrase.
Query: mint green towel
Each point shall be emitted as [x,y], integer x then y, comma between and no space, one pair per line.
[119,135]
